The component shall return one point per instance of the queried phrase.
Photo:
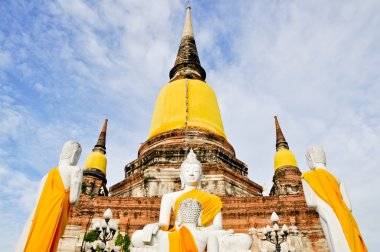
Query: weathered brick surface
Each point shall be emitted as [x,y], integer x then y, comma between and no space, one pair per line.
[239,213]
[168,150]
[287,181]
[156,169]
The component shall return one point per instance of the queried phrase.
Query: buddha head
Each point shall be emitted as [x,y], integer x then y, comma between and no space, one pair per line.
[190,211]
[191,171]
[315,157]
[71,151]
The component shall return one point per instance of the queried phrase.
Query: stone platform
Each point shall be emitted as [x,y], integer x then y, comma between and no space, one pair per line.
[239,213]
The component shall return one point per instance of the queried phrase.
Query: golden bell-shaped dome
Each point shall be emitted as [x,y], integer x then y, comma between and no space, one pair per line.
[284,157]
[186,103]
[96,160]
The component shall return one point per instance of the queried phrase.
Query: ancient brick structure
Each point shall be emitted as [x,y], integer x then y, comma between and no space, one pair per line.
[156,170]
[286,181]
[239,213]
[135,200]
[94,174]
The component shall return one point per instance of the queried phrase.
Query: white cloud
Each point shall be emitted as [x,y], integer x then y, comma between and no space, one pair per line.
[17,199]
[5,59]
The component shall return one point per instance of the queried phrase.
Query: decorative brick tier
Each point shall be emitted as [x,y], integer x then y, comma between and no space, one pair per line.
[156,169]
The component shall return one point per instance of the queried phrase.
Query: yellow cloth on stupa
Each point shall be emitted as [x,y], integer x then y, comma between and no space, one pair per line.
[326,187]
[182,241]
[51,215]
[211,205]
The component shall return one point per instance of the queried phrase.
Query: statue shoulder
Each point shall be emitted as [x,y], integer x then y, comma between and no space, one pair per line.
[174,195]
[76,169]
[169,197]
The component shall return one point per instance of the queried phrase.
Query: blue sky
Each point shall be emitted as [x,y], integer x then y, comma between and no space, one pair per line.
[67,65]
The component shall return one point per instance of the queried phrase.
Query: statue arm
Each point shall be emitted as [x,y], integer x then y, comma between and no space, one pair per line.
[309,195]
[165,211]
[76,175]
[151,229]
[345,196]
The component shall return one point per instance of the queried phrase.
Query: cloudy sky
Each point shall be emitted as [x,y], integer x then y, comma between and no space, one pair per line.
[66,65]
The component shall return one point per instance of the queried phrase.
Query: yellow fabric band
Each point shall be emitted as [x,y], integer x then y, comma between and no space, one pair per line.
[326,187]
[51,216]
[182,241]
[211,205]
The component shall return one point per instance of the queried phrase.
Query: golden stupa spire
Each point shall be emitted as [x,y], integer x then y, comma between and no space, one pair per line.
[188,28]
[187,64]
[101,144]
[280,139]
[283,157]
[97,159]
[187,101]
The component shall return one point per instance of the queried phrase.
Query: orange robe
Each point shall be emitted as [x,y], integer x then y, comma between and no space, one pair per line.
[51,215]
[182,241]
[211,205]
[326,187]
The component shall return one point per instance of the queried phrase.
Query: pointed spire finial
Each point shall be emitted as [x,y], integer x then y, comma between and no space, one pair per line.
[280,139]
[101,144]
[188,28]
[187,64]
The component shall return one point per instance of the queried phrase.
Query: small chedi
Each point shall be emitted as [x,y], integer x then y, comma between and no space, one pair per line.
[154,236]
[329,197]
[58,189]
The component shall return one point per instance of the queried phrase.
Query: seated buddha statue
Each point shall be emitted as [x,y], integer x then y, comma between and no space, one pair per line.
[190,175]
[187,237]
[155,236]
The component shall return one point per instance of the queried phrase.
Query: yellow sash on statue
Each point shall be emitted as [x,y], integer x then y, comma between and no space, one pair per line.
[211,205]
[51,215]
[327,188]
[182,241]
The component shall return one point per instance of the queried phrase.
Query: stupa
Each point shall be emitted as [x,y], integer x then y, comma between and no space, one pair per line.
[187,116]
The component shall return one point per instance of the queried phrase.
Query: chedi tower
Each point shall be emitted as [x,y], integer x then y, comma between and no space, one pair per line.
[186,116]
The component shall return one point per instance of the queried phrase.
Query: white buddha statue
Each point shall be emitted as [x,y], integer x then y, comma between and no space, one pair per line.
[187,236]
[57,191]
[294,242]
[329,197]
[190,175]
[210,224]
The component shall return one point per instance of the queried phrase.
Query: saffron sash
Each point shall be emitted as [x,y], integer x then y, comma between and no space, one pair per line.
[211,205]
[326,187]
[182,241]
[51,216]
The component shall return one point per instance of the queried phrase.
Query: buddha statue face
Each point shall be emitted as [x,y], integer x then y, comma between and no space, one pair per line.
[191,171]
[191,174]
